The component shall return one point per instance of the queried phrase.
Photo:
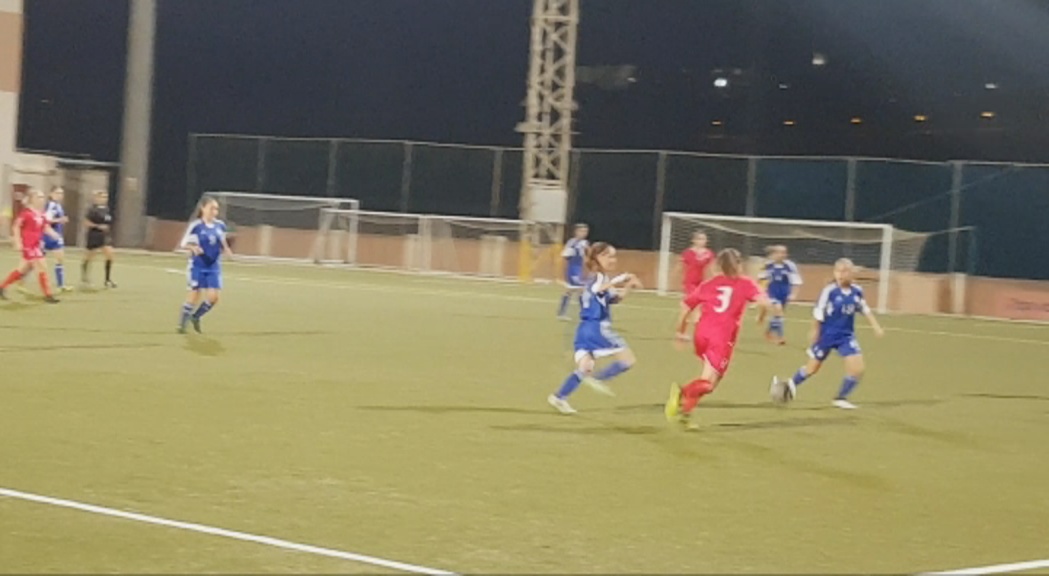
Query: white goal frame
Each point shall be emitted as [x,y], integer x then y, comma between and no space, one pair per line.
[885,256]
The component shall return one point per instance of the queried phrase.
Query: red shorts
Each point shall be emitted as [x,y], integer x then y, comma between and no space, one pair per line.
[689,289]
[714,350]
[30,253]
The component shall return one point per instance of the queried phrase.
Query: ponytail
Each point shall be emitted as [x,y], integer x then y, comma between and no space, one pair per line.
[730,261]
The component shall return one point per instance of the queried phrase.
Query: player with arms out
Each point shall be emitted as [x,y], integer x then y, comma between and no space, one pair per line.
[574,255]
[782,279]
[834,330]
[722,300]
[206,241]
[99,223]
[28,233]
[594,337]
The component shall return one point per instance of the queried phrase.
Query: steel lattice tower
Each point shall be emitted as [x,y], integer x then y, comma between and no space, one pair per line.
[547,127]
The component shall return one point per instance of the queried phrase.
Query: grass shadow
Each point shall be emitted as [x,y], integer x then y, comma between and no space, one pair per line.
[456,409]
[204,346]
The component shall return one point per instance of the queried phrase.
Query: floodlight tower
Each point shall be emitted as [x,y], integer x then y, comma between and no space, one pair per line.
[547,127]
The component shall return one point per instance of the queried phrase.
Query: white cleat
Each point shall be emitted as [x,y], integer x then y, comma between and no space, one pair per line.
[564,318]
[560,404]
[844,404]
[782,391]
[792,390]
[598,386]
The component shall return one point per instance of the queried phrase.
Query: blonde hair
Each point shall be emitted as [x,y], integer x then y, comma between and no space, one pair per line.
[730,261]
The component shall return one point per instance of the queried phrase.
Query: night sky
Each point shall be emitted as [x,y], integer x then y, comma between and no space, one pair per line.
[454,71]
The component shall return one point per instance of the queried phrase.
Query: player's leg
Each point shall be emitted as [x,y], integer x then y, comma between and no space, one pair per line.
[14,276]
[775,328]
[854,368]
[623,360]
[60,269]
[85,264]
[107,251]
[188,306]
[39,266]
[211,297]
[817,354]
[584,366]
[694,391]
[572,292]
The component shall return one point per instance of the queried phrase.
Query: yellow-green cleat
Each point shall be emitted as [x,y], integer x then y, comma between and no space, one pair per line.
[673,405]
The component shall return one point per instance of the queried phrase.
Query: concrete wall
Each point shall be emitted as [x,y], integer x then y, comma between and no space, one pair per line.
[11,25]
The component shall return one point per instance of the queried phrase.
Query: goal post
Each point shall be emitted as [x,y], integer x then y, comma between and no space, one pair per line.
[273,226]
[424,243]
[878,249]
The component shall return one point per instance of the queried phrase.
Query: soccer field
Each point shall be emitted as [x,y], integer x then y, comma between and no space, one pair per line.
[388,418]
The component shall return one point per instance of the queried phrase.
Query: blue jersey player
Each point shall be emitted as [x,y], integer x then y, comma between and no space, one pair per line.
[594,337]
[781,279]
[206,241]
[56,217]
[574,255]
[835,330]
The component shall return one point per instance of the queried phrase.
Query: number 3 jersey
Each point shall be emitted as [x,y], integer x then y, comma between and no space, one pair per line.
[207,235]
[722,300]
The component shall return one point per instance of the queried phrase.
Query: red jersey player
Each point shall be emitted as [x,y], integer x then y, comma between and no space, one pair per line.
[722,300]
[28,233]
[695,261]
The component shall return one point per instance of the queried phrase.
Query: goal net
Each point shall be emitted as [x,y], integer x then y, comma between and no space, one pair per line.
[426,243]
[877,249]
[269,226]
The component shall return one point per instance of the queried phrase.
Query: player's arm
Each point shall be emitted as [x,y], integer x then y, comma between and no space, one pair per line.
[191,242]
[618,282]
[795,280]
[690,303]
[872,319]
[16,235]
[818,314]
[51,232]
[226,250]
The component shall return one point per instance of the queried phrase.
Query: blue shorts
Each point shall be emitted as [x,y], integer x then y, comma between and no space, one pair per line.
[50,244]
[598,340]
[845,345]
[779,296]
[574,278]
[204,278]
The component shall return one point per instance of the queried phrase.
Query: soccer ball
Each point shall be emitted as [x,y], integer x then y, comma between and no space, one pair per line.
[779,391]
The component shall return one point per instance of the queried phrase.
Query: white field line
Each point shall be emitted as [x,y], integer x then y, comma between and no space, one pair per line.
[354,287]
[220,532]
[997,568]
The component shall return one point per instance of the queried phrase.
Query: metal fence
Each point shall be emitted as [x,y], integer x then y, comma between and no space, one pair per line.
[622,194]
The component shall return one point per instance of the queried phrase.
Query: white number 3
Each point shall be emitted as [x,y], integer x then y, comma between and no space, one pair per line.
[724,299]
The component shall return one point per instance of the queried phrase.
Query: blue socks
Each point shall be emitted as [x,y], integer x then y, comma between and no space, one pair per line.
[60,275]
[563,308]
[847,386]
[799,377]
[776,326]
[204,307]
[570,385]
[612,370]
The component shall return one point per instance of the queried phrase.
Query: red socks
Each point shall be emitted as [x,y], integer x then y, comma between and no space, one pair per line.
[11,279]
[44,285]
[693,392]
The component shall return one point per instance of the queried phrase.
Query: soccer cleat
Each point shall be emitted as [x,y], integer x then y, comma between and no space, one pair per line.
[598,386]
[66,288]
[196,323]
[564,318]
[560,404]
[686,422]
[110,284]
[844,404]
[50,299]
[673,405]
[182,329]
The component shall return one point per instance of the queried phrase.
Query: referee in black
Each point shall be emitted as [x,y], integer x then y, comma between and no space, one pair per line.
[99,224]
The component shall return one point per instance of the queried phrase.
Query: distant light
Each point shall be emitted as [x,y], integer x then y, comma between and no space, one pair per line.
[856,120]
[819,59]
[987,115]
[784,86]
[717,123]
[920,118]
[991,86]
[721,82]
[788,122]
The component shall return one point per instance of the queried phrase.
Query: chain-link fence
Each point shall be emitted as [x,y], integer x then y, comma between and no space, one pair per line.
[622,194]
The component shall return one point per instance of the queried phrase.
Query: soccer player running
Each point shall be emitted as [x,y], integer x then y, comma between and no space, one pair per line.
[722,300]
[834,330]
[695,262]
[782,278]
[594,337]
[99,237]
[28,231]
[206,241]
[56,217]
[574,255]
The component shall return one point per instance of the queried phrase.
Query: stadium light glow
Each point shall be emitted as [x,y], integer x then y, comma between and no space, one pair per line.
[789,123]
[990,86]
[721,82]
[987,115]
[856,120]
[920,117]
[717,123]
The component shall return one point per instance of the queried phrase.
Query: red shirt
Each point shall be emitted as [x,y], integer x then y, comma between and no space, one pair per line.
[723,301]
[33,224]
[696,266]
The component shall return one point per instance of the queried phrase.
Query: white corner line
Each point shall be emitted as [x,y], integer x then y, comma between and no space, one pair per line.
[995,569]
[221,532]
